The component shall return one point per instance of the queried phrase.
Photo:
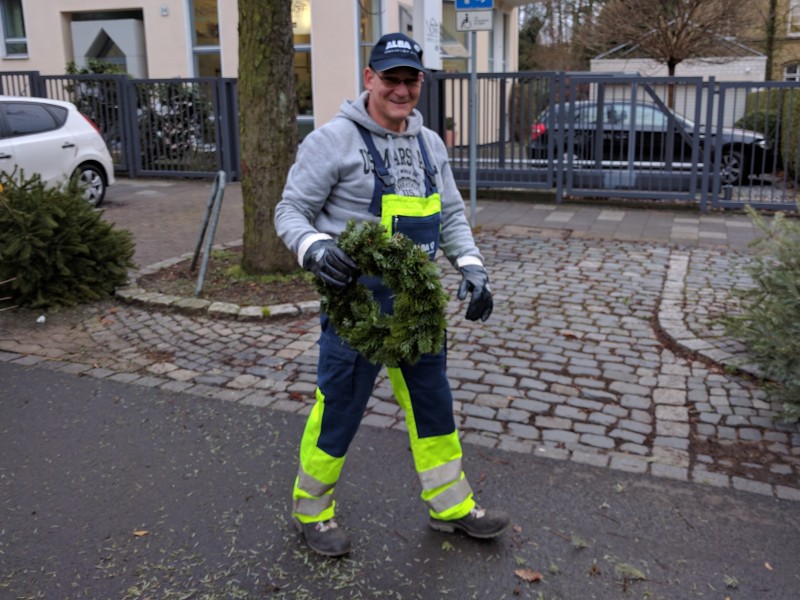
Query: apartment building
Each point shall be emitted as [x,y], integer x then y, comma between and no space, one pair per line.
[198,38]
[786,51]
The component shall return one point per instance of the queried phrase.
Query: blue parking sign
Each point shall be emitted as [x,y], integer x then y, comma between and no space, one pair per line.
[474,4]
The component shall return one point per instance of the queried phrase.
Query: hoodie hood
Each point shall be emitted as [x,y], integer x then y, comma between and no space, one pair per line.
[356,110]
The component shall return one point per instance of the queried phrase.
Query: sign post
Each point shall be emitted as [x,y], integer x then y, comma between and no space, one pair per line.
[472,16]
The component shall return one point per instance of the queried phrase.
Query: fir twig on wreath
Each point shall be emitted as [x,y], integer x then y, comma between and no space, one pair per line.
[418,324]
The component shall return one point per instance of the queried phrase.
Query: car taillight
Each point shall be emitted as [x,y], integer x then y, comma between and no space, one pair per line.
[88,120]
[537,130]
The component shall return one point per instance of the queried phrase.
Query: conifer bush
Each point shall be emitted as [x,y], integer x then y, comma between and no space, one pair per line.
[55,247]
[769,322]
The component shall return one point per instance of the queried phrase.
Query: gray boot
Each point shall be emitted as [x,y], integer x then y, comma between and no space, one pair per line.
[325,537]
[479,523]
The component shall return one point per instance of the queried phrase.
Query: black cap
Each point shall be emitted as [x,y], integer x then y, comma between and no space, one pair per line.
[396,50]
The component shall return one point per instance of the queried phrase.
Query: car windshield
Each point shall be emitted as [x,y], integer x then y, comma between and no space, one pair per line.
[617,114]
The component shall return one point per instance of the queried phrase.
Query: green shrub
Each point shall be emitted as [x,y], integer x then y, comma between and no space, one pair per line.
[761,107]
[55,247]
[790,131]
[768,99]
[770,319]
[762,121]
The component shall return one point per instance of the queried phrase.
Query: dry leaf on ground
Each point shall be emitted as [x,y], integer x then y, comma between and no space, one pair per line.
[528,575]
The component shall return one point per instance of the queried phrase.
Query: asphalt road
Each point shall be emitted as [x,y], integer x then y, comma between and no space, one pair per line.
[118,491]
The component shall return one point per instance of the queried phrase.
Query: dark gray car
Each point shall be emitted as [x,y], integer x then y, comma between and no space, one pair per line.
[645,136]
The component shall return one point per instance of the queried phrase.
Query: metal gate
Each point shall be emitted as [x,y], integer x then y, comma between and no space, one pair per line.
[768,172]
[620,137]
[598,135]
[590,135]
[152,127]
[509,104]
[184,127]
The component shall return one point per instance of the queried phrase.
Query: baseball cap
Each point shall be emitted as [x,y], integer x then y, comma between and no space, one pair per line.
[396,50]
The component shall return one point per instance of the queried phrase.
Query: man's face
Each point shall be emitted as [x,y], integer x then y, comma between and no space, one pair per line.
[393,94]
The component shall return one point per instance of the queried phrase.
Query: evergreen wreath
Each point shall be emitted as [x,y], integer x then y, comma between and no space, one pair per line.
[418,324]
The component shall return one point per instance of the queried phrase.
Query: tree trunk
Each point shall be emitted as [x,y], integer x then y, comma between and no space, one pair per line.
[770,31]
[267,127]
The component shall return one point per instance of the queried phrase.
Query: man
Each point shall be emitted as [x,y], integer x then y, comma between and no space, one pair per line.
[376,162]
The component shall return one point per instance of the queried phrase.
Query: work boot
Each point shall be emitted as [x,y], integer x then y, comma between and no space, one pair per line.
[325,537]
[479,523]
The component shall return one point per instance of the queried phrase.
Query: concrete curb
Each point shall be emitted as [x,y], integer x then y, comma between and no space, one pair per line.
[135,294]
[671,320]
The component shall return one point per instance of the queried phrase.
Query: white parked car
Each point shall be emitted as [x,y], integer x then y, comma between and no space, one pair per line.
[53,139]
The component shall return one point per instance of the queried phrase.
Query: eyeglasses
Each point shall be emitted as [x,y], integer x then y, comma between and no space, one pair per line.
[394,82]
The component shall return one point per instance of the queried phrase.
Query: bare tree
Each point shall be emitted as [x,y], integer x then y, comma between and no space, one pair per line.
[550,33]
[267,127]
[670,31]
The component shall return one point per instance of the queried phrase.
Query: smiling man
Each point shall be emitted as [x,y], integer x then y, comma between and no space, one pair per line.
[375,161]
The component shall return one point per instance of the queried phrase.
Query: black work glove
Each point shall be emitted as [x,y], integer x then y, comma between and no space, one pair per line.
[329,262]
[476,281]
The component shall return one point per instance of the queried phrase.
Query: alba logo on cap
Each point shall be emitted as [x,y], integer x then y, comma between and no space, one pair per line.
[397,45]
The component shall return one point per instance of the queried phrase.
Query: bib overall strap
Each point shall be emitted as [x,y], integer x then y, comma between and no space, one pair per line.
[384,180]
[430,171]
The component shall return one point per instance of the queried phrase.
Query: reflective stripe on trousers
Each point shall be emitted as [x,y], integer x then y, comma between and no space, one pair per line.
[422,391]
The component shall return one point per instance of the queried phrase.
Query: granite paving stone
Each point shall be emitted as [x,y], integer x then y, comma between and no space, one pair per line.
[570,366]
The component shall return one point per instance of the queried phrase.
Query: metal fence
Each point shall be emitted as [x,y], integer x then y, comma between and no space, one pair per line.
[153,127]
[620,136]
[720,145]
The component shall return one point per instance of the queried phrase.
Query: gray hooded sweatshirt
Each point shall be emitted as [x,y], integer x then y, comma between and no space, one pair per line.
[332,182]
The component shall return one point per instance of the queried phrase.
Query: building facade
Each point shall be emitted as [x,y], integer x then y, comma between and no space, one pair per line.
[786,46]
[199,38]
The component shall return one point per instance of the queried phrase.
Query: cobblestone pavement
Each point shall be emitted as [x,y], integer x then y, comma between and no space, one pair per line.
[599,351]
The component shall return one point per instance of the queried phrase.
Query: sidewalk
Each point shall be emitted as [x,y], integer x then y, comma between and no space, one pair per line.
[601,349]
[601,354]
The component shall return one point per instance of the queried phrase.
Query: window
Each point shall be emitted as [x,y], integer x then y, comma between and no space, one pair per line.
[370,28]
[792,72]
[793,19]
[650,118]
[26,119]
[205,38]
[454,43]
[14,40]
[301,32]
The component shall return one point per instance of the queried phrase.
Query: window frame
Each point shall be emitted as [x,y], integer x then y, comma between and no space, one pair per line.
[6,38]
[793,19]
[364,45]
[791,72]
[198,50]
[58,115]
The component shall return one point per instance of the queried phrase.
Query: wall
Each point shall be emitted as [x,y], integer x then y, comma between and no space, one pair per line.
[337,76]
[787,49]
[165,37]
[735,69]
[128,34]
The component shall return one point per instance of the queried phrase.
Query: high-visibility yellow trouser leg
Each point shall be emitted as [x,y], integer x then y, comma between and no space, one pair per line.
[313,494]
[427,402]
[345,381]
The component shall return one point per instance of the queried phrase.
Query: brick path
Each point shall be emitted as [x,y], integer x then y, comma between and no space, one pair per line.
[602,349]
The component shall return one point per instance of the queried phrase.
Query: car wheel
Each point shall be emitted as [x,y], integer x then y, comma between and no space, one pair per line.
[93,180]
[731,167]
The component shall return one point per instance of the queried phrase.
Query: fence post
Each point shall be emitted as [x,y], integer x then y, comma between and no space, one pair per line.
[132,145]
[227,132]
[558,140]
[503,122]
[706,158]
